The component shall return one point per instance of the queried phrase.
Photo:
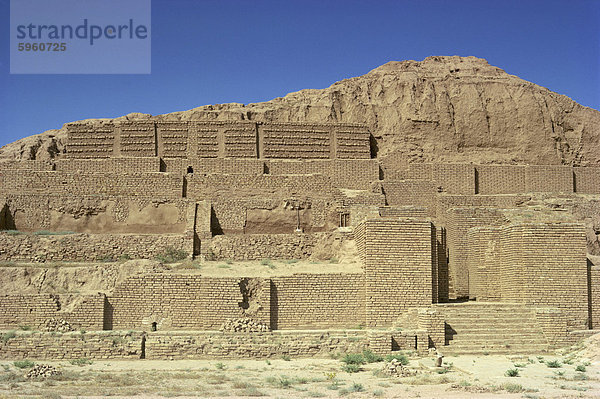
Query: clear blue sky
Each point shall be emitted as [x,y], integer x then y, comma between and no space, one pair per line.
[206,52]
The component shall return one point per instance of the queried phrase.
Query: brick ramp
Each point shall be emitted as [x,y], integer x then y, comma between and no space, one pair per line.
[481,328]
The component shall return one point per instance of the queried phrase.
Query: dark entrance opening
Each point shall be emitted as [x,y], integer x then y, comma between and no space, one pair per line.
[153,328]
[190,169]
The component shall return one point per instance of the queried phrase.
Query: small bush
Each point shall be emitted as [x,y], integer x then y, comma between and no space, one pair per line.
[171,255]
[266,262]
[24,364]
[82,361]
[315,394]
[512,373]
[25,328]
[8,336]
[354,358]
[581,368]
[519,365]
[292,261]
[553,364]
[124,258]
[400,357]
[371,357]
[52,233]
[513,388]
[356,387]
[378,392]
[351,368]
[287,358]
[220,366]
[334,260]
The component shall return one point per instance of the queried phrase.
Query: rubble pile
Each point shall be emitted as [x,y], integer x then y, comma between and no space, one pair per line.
[42,371]
[244,324]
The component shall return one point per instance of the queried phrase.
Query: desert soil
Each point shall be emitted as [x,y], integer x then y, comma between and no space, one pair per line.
[463,377]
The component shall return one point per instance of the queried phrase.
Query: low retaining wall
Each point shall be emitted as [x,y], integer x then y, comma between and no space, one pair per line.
[71,345]
[87,247]
[262,246]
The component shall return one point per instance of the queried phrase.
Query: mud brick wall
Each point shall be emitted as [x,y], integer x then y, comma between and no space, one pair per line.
[587,180]
[173,138]
[455,178]
[98,214]
[28,164]
[73,345]
[186,302]
[501,179]
[398,262]
[85,140]
[18,310]
[420,193]
[352,143]
[199,345]
[161,185]
[262,246]
[484,264]
[552,179]
[240,141]
[554,325]
[446,201]
[353,173]
[441,261]
[403,212]
[87,247]
[26,212]
[296,141]
[109,166]
[136,139]
[594,290]
[545,265]
[309,301]
[230,216]
[458,223]
[201,186]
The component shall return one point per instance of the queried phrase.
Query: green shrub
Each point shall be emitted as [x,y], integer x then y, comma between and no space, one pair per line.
[25,328]
[356,387]
[512,373]
[287,358]
[513,388]
[53,233]
[9,335]
[351,368]
[580,368]
[371,357]
[220,366]
[292,261]
[171,255]
[24,364]
[400,357]
[553,364]
[82,361]
[354,358]
[334,260]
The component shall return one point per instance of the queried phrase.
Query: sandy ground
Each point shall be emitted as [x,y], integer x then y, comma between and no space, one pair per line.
[464,377]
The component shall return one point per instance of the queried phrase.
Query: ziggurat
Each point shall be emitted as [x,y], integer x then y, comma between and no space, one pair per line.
[404,256]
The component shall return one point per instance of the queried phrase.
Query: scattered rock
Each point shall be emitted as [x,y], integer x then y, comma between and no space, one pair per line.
[244,324]
[396,369]
[42,371]
[58,325]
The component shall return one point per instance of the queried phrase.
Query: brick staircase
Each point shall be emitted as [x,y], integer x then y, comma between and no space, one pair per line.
[482,328]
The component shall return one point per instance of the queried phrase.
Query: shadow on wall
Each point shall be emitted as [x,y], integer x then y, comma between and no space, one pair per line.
[373,146]
[7,222]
